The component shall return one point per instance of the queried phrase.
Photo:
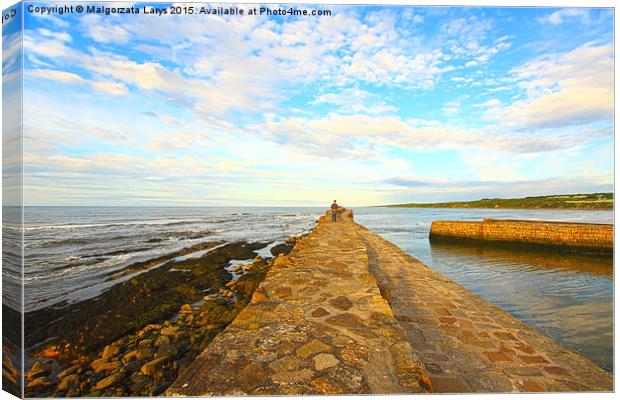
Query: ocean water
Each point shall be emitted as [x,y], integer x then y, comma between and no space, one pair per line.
[72,252]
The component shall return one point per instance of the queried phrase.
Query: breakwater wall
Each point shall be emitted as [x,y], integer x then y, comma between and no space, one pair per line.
[562,236]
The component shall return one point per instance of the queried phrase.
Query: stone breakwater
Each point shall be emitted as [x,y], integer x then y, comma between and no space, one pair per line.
[317,324]
[575,237]
[349,312]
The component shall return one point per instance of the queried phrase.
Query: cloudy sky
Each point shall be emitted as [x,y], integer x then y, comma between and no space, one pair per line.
[371,105]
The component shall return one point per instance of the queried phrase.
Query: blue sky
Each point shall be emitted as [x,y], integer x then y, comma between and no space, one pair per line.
[371,105]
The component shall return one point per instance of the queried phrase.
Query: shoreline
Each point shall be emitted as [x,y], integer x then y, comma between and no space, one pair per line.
[502,208]
[172,330]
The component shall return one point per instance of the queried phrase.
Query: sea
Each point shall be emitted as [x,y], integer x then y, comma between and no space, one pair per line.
[71,253]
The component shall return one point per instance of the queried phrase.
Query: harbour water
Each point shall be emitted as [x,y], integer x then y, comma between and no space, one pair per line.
[70,250]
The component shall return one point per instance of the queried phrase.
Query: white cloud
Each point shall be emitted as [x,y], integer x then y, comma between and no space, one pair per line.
[61,36]
[563,89]
[452,107]
[568,14]
[469,39]
[111,88]
[103,31]
[361,136]
[354,100]
[490,103]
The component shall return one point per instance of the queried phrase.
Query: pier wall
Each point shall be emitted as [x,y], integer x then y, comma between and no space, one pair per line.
[591,238]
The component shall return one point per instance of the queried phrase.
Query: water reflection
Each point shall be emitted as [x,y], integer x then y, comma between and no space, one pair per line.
[541,259]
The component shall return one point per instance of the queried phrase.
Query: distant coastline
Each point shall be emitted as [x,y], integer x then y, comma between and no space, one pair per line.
[585,201]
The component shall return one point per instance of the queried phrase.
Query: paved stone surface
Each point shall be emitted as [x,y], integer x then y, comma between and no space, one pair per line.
[466,343]
[317,324]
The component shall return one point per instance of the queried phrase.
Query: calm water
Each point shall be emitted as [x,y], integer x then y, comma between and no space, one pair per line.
[71,254]
[567,297]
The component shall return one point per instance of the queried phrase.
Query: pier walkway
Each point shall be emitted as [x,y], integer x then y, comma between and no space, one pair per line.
[348,312]
[317,324]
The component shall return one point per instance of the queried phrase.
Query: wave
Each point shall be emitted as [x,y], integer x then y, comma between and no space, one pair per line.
[132,223]
[59,242]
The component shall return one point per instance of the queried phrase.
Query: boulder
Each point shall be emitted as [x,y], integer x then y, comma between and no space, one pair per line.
[39,369]
[110,351]
[39,383]
[67,382]
[144,354]
[152,367]
[109,366]
[169,331]
[109,381]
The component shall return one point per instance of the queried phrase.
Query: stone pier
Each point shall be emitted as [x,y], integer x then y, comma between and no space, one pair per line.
[317,324]
[348,312]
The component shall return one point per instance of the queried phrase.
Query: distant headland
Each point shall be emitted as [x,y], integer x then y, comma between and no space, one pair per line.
[587,201]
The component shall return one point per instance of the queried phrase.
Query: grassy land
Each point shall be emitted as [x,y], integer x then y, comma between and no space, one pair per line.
[591,201]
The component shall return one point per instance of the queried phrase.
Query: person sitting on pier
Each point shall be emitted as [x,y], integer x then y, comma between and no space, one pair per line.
[335,208]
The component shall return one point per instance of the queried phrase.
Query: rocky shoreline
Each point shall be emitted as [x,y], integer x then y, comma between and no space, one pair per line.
[134,339]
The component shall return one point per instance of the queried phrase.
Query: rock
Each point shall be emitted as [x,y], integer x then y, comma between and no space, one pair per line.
[67,382]
[285,363]
[324,360]
[75,392]
[166,350]
[69,371]
[282,292]
[109,381]
[140,384]
[99,361]
[151,327]
[291,377]
[50,352]
[231,283]
[319,312]
[130,356]
[132,366]
[186,309]
[39,383]
[145,343]
[39,369]
[144,354]
[159,387]
[341,302]
[152,367]
[110,351]
[109,366]
[136,377]
[347,320]
[312,347]
[325,386]
[161,340]
[207,298]
[259,296]
[170,331]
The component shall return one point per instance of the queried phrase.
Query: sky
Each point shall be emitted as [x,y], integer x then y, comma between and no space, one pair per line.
[371,105]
